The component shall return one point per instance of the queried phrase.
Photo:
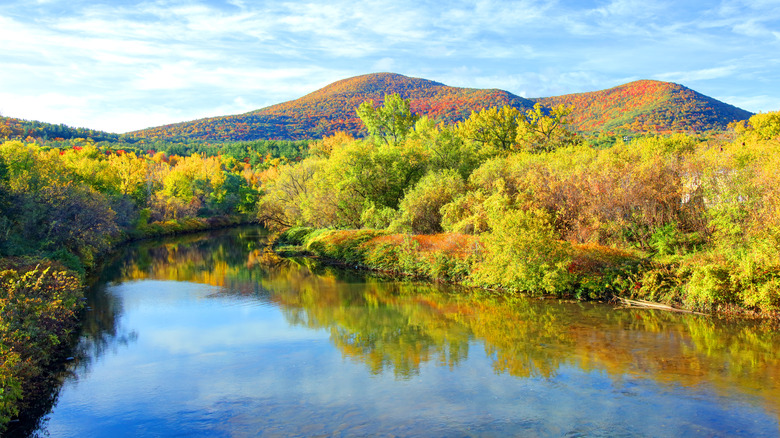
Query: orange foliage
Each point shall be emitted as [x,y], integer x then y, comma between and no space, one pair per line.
[647,107]
[459,245]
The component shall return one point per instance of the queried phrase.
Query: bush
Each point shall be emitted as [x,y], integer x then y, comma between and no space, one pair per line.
[294,236]
[378,218]
[421,207]
[38,308]
[709,285]
[522,253]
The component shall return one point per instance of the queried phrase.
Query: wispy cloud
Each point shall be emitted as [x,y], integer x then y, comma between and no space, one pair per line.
[697,75]
[79,63]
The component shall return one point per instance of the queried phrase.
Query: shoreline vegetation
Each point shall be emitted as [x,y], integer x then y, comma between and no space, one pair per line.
[516,202]
[39,317]
[593,272]
[63,205]
[506,200]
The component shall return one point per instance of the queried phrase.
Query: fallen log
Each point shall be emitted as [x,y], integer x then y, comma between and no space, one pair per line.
[642,304]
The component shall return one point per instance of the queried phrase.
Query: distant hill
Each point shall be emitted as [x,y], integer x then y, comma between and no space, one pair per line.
[332,109]
[647,106]
[14,128]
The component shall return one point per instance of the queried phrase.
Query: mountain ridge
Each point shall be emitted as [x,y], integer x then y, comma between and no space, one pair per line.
[643,106]
[638,106]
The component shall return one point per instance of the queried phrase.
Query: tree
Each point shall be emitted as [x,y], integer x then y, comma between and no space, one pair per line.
[5,201]
[131,172]
[522,250]
[285,192]
[540,131]
[325,147]
[762,126]
[391,122]
[421,207]
[492,127]
[446,149]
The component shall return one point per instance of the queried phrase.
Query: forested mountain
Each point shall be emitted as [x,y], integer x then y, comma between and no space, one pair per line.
[641,106]
[646,106]
[332,109]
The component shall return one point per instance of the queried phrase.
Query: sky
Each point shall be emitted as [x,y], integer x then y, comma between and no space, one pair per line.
[121,66]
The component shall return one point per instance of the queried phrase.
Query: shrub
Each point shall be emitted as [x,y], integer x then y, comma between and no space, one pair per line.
[522,253]
[37,313]
[709,286]
[421,207]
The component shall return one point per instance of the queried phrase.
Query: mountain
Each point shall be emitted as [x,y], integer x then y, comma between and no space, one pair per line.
[646,106]
[332,109]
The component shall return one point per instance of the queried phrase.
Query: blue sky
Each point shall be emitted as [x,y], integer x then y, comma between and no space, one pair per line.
[126,65]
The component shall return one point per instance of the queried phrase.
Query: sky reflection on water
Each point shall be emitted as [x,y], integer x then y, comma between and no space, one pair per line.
[199,337]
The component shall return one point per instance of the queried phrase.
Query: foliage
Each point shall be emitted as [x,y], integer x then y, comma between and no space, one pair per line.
[78,201]
[391,122]
[332,109]
[646,107]
[539,131]
[674,198]
[38,308]
[492,127]
[638,107]
[522,252]
[420,208]
[438,257]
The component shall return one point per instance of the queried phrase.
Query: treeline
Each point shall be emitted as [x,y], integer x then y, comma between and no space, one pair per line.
[255,152]
[12,128]
[67,203]
[681,219]
[60,209]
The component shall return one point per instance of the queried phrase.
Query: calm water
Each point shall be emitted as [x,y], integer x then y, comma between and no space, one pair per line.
[207,336]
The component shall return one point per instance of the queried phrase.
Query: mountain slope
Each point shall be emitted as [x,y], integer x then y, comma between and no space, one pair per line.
[646,106]
[332,109]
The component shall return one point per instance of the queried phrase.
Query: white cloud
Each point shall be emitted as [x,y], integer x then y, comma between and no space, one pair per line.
[165,54]
[756,104]
[384,64]
[697,75]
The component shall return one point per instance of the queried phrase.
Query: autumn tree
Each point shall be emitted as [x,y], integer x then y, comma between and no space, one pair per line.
[421,207]
[543,131]
[325,147]
[492,127]
[391,122]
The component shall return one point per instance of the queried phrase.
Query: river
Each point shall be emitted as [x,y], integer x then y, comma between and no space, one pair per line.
[208,335]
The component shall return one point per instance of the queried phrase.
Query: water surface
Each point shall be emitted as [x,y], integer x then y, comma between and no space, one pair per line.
[208,335]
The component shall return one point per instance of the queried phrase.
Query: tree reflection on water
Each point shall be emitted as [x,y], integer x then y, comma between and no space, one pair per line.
[398,325]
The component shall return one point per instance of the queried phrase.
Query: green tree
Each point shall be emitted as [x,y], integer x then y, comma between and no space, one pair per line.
[522,251]
[391,122]
[285,192]
[446,149]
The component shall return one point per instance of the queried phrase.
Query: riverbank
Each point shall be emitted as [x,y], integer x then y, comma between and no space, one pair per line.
[40,302]
[39,307]
[201,321]
[579,271]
